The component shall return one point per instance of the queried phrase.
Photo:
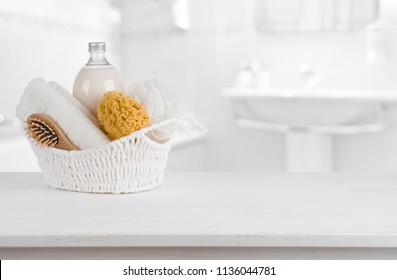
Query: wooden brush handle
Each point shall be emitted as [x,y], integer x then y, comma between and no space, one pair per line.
[64,143]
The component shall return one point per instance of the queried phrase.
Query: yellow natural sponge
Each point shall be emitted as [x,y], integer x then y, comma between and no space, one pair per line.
[119,115]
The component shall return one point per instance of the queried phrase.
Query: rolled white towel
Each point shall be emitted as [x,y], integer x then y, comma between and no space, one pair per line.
[55,102]
[75,102]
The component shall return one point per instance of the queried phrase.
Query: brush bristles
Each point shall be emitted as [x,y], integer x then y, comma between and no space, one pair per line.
[42,132]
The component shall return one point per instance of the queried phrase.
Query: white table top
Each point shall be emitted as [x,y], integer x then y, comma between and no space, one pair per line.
[206,209]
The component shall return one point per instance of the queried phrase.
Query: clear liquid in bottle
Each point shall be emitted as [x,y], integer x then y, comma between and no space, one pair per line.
[96,78]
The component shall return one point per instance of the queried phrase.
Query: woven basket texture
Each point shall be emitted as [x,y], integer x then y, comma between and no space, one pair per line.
[134,163]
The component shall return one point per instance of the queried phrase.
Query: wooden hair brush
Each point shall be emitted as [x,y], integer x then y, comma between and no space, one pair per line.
[45,131]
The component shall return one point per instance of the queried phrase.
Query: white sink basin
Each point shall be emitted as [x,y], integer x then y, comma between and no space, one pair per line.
[309,107]
[309,118]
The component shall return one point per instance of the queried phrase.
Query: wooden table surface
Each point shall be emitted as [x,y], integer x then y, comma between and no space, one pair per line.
[206,210]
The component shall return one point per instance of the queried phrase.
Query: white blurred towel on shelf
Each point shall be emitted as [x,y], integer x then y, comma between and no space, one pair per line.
[79,125]
[277,14]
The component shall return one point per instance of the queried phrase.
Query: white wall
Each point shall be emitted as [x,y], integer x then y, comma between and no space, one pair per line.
[197,63]
[193,65]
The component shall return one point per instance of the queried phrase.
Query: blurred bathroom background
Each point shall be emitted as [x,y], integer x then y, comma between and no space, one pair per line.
[282,85]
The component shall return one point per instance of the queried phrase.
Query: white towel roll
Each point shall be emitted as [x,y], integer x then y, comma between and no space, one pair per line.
[52,100]
[75,102]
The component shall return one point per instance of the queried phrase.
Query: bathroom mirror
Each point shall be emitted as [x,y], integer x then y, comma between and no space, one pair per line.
[314,15]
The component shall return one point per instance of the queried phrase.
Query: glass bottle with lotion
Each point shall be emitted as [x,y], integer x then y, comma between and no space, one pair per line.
[96,78]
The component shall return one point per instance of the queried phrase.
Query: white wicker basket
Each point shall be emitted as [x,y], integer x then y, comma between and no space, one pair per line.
[134,163]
